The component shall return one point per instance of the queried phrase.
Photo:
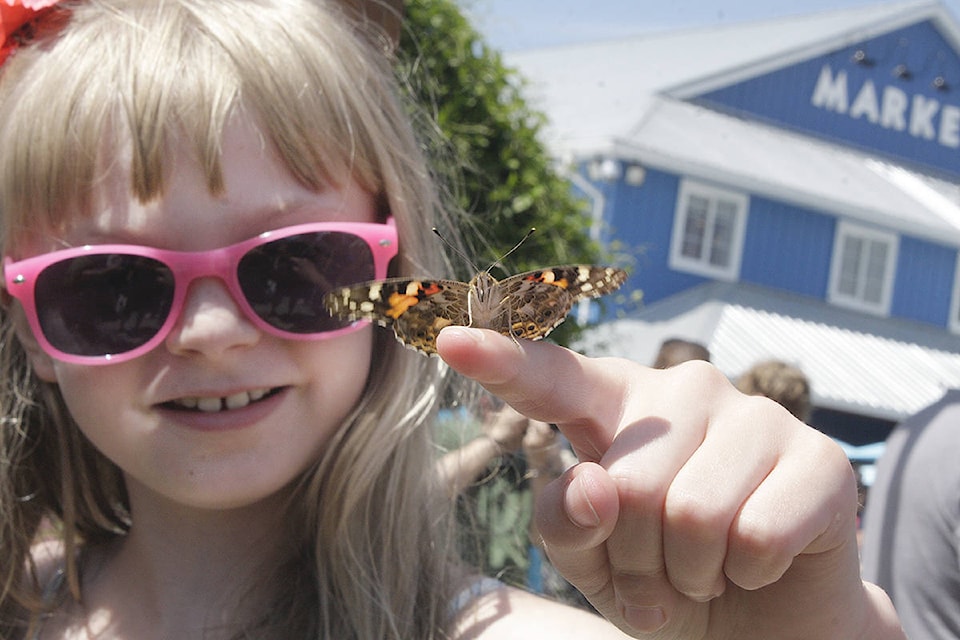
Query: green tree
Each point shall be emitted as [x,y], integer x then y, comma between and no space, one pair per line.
[506,179]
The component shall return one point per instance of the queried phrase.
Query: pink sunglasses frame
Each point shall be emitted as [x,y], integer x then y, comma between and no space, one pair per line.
[20,279]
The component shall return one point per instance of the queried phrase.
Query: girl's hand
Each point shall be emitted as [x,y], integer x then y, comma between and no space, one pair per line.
[695,511]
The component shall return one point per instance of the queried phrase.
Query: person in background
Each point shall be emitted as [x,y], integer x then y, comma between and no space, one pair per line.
[780,381]
[911,525]
[497,476]
[487,475]
[673,351]
[548,456]
[500,433]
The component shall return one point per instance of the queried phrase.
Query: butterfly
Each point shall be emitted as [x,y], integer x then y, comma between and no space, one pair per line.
[527,305]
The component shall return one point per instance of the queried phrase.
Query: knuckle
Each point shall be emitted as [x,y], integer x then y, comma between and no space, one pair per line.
[758,554]
[592,585]
[639,494]
[700,374]
[697,513]
[701,588]
[627,581]
[758,540]
[828,452]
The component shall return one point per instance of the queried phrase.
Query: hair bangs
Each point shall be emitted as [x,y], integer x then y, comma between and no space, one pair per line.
[69,121]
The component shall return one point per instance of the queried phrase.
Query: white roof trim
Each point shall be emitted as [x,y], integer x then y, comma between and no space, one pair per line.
[694,141]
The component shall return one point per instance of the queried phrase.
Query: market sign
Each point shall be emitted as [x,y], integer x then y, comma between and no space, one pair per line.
[888,107]
[895,95]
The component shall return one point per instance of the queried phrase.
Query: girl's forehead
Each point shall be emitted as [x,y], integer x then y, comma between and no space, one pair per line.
[259,193]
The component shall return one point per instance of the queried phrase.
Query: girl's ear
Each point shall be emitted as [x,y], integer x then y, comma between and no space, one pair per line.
[41,362]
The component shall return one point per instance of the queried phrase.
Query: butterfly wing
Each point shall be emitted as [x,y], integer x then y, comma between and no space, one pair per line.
[416,310]
[528,305]
[540,300]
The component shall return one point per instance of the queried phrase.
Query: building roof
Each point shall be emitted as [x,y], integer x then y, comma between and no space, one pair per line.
[762,159]
[625,99]
[878,367]
[596,92]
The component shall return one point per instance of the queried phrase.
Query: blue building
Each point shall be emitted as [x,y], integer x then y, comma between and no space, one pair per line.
[786,189]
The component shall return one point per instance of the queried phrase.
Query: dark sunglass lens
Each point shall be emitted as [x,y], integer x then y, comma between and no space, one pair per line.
[103,304]
[285,280]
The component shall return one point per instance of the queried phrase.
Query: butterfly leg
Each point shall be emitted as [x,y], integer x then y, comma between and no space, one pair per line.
[511,330]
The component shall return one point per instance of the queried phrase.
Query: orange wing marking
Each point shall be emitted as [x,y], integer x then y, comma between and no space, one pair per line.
[416,291]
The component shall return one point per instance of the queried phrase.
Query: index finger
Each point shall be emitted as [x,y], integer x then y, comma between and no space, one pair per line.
[583,396]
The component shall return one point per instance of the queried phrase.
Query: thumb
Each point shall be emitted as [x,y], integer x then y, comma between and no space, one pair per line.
[575,514]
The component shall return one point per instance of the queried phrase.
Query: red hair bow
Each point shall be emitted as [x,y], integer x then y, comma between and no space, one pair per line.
[18,19]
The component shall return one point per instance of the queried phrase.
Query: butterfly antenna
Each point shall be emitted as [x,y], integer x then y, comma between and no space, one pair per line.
[456,250]
[515,247]
[470,262]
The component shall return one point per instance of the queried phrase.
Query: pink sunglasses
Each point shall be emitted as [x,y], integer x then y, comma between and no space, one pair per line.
[104,304]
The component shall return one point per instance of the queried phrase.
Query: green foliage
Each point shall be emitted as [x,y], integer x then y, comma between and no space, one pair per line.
[505,179]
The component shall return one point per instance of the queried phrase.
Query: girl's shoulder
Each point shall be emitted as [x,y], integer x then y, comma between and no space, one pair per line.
[48,557]
[506,612]
[49,562]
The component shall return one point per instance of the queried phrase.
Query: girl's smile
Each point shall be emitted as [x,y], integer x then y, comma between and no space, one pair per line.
[223,413]
[215,404]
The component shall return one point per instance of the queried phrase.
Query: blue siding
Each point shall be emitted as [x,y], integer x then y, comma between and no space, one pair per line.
[787,247]
[642,220]
[907,117]
[924,283]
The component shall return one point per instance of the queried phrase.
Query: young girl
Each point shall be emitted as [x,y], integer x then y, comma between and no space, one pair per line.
[192,449]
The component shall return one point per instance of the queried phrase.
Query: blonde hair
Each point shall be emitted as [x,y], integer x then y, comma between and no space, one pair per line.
[370,549]
[673,351]
[779,381]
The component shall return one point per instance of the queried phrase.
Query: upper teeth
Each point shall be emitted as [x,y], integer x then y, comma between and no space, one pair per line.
[214,403]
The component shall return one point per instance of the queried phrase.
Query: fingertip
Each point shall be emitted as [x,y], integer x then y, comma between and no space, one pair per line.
[476,353]
[456,337]
[584,498]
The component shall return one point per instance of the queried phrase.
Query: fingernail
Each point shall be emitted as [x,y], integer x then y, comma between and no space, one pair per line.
[646,619]
[458,332]
[583,513]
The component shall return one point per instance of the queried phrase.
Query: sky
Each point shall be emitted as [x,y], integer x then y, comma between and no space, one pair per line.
[513,25]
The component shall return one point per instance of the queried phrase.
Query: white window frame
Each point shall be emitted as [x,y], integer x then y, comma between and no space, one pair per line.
[712,197]
[837,293]
[954,321]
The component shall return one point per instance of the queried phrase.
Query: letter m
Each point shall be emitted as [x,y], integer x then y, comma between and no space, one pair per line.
[831,92]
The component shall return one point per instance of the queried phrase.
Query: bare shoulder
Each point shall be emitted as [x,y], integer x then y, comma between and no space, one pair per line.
[507,613]
[48,559]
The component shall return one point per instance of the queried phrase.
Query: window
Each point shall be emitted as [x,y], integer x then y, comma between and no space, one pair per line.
[863,268]
[708,230]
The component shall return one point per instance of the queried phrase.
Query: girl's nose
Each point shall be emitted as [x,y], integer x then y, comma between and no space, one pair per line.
[211,323]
